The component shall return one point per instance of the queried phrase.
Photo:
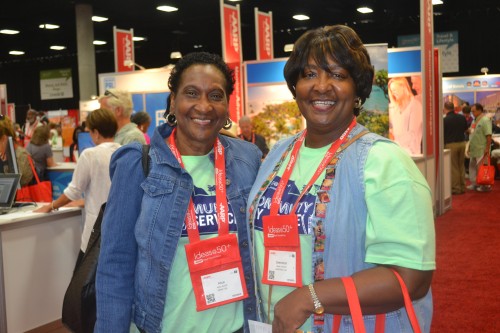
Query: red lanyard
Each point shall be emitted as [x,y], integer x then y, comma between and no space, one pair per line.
[280,189]
[220,192]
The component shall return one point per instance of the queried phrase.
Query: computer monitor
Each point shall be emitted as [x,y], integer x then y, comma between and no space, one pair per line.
[10,165]
[8,190]
[84,142]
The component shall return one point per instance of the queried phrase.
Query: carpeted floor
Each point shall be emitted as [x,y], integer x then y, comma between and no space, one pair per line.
[466,283]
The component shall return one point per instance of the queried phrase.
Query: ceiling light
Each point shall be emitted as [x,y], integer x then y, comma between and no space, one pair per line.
[57,47]
[175,55]
[485,70]
[197,46]
[48,26]
[301,17]
[167,8]
[99,42]
[9,32]
[288,48]
[99,18]
[16,52]
[138,39]
[365,10]
[437,2]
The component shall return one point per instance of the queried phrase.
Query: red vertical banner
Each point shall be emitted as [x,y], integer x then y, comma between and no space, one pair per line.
[427,32]
[233,54]
[124,50]
[264,35]
[437,109]
[236,100]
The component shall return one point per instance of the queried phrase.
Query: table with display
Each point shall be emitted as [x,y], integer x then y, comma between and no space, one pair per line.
[37,255]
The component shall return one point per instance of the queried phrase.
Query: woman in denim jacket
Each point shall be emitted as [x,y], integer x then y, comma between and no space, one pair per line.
[143,276]
[362,207]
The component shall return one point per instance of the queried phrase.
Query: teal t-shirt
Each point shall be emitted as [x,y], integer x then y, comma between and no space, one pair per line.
[389,191]
[180,313]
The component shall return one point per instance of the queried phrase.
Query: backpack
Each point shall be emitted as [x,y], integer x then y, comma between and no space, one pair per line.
[79,304]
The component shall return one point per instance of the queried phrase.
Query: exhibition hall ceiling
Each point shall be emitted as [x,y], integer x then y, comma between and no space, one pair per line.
[196,25]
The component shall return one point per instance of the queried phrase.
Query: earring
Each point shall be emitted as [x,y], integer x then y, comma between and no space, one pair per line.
[171,120]
[357,103]
[228,124]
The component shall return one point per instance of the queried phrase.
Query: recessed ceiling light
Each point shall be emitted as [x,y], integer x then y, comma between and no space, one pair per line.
[175,55]
[167,8]
[57,47]
[99,42]
[99,18]
[9,32]
[437,2]
[16,52]
[301,17]
[138,39]
[365,10]
[48,26]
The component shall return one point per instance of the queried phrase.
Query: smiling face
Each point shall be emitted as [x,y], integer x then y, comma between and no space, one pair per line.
[201,107]
[326,100]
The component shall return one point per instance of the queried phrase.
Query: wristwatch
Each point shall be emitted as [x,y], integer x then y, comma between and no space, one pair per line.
[318,308]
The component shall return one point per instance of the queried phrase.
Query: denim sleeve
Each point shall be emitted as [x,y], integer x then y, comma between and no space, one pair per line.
[117,260]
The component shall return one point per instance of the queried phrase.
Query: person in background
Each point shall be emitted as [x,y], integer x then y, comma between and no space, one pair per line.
[479,145]
[42,116]
[359,194]
[23,164]
[74,145]
[405,116]
[28,128]
[149,235]
[90,179]
[248,134]
[41,151]
[120,103]
[142,119]
[454,128]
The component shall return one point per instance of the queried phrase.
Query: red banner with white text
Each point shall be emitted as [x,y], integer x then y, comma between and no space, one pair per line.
[233,55]
[264,35]
[124,50]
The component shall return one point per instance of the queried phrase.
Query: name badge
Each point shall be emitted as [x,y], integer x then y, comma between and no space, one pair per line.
[282,258]
[216,271]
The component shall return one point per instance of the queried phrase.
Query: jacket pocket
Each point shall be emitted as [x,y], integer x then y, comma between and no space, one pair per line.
[157,186]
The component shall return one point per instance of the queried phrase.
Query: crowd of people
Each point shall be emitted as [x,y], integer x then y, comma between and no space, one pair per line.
[221,229]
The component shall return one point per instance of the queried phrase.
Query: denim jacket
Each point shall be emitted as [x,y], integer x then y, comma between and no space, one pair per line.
[342,257]
[142,226]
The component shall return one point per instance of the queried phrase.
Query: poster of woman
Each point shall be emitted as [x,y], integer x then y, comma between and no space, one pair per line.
[405,114]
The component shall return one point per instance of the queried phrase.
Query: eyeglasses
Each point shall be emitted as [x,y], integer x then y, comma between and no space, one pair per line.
[108,93]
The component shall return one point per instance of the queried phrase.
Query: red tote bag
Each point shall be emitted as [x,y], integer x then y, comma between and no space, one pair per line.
[39,192]
[486,174]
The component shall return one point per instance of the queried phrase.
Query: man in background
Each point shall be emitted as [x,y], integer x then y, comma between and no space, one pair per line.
[248,134]
[454,128]
[28,128]
[120,103]
[479,145]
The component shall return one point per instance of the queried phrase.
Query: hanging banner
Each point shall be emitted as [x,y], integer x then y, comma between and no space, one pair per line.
[56,84]
[264,35]
[232,54]
[231,33]
[124,50]
[427,32]
[236,99]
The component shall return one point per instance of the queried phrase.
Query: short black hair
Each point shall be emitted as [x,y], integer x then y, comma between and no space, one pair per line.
[201,58]
[340,43]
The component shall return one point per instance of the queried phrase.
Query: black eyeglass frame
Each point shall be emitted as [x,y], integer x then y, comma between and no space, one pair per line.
[108,93]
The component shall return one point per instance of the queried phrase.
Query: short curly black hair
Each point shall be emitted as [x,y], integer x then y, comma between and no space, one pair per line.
[337,42]
[201,58]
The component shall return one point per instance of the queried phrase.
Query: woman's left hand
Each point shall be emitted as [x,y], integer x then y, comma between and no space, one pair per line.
[292,311]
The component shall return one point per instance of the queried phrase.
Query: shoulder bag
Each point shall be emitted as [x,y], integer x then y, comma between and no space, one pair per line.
[486,174]
[39,192]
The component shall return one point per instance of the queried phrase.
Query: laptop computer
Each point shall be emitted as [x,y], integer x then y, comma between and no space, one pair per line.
[8,189]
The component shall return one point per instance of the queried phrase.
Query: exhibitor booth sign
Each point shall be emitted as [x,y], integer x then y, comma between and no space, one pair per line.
[56,84]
